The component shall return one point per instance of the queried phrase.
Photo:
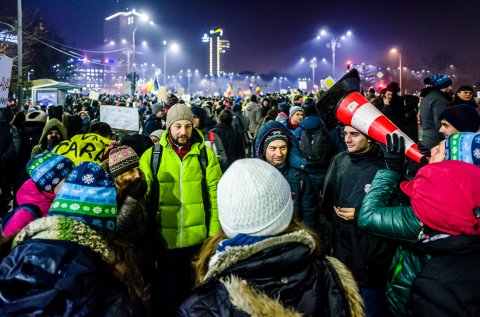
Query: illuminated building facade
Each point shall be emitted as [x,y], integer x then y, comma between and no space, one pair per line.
[216,47]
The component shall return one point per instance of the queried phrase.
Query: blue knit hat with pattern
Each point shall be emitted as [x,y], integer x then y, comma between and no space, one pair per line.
[48,169]
[88,195]
[463,147]
[440,81]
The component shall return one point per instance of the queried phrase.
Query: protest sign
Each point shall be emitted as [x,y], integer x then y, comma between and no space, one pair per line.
[122,118]
[5,75]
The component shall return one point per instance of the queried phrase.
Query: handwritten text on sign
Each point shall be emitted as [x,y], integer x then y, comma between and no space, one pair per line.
[5,74]
[121,118]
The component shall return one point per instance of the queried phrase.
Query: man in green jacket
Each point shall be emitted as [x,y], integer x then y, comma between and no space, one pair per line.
[181,217]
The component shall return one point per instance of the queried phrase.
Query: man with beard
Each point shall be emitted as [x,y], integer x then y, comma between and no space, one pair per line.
[53,133]
[436,98]
[187,203]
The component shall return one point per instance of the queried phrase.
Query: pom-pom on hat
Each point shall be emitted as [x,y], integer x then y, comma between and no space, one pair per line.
[122,159]
[445,196]
[264,209]
[178,112]
[48,169]
[464,118]
[88,195]
[463,147]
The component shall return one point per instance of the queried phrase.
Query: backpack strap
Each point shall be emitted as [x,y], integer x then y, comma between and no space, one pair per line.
[203,160]
[155,166]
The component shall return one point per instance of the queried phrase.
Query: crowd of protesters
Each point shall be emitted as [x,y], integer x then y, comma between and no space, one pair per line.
[256,205]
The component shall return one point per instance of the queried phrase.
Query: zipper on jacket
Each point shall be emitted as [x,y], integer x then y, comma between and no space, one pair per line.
[181,202]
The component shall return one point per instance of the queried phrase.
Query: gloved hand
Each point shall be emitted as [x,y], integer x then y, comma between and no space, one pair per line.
[394,153]
[138,189]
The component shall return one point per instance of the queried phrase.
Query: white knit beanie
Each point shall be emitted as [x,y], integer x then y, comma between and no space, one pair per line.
[254,198]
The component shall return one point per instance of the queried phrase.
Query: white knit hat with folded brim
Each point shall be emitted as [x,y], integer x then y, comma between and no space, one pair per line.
[254,198]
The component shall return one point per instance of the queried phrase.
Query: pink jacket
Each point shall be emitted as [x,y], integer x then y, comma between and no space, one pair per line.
[28,194]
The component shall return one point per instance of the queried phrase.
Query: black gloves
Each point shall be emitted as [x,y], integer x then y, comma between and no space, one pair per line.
[138,189]
[394,153]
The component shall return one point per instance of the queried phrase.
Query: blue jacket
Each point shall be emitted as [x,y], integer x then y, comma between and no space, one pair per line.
[305,207]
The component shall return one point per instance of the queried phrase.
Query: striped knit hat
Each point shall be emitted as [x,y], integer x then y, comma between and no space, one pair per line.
[88,195]
[48,169]
[122,159]
[464,147]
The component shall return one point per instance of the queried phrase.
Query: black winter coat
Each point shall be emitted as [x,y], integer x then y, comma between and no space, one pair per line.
[232,141]
[272,276]
[449,284]
[348,180]
[59,278]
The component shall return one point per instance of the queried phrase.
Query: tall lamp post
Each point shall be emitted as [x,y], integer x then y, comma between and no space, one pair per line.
[400,70]
[174,47]
[313,65]
[189,75]
[333,44]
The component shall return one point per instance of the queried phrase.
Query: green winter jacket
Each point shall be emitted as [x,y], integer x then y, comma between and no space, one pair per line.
[398,223]
[181,214]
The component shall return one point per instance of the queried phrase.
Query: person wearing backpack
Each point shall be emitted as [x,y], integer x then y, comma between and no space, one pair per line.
[314,145]
[47,172]
[348,180]
[210,136]
[274,145]
[185,192]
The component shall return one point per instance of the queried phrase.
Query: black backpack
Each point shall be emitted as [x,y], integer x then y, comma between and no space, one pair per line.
[315,144]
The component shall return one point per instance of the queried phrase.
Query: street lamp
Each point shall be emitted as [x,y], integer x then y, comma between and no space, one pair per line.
[395,51]
[174,47]
[333,44]
[189,74]
[313,65]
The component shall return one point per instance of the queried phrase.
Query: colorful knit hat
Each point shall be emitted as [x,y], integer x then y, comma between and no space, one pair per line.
[88,195]
[48,169]
[463,147]
[121,160]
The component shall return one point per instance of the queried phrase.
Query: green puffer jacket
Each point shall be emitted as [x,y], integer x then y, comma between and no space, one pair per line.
[181,214]
[398,223]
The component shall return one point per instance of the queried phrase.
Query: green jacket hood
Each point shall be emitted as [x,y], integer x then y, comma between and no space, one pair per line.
[53,124]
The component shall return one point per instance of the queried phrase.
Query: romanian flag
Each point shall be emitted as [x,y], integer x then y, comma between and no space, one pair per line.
[150,85]
[257,90]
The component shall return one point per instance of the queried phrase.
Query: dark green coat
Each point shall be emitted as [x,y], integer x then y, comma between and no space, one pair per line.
[399,223]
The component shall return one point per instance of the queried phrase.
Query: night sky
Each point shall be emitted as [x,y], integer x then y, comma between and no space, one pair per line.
[272,35]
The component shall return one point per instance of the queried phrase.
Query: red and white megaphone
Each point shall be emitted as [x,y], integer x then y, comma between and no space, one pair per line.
[344,102]
[354,110]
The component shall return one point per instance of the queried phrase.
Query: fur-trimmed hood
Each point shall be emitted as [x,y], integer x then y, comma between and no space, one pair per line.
[245,296]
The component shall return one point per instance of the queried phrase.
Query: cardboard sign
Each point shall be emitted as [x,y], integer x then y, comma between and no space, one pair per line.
[121,118]
[94,95]
[162,94]
[5,75]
